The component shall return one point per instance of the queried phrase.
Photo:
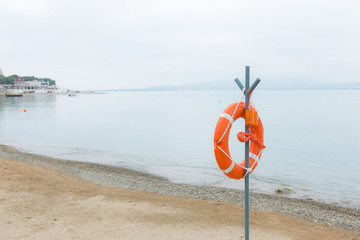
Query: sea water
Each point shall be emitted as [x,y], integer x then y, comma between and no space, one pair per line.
[312,137]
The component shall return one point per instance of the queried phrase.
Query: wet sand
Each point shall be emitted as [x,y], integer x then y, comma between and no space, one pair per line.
[46,198]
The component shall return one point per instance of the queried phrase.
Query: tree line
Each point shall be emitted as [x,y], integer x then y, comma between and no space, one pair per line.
[10,79]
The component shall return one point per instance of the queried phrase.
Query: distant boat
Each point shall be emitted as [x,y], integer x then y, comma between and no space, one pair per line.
[13,95]
[72,95]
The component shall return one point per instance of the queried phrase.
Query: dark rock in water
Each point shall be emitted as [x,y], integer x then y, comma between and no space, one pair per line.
[279,191]
[283,190]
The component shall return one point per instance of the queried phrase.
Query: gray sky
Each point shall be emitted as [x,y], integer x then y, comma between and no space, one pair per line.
[131,44]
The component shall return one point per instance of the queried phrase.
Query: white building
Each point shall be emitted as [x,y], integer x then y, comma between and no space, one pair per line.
[20,84]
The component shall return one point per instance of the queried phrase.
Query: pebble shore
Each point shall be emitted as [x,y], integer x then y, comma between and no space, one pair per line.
[309,210]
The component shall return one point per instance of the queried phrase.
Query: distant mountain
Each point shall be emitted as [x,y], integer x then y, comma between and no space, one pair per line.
[203,86]
[229,85]
[353,85]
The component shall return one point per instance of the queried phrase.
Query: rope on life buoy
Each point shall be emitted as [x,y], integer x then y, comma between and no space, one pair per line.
[221,149]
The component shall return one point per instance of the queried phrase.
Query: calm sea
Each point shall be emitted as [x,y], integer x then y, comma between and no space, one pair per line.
[312,137]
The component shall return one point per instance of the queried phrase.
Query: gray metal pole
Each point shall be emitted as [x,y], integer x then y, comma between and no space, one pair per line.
[239,84]
[253,86]
[247,179]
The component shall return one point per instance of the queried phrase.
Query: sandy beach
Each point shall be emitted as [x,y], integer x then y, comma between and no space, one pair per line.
[46,198]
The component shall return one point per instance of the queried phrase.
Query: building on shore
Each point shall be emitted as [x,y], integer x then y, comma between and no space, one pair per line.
[20,84]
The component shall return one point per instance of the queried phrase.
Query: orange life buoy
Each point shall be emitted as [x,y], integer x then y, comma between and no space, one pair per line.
[221,139]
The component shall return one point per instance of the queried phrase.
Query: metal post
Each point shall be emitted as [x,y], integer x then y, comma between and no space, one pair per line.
[247,179]
[239,84]
[247,90]
[253,86]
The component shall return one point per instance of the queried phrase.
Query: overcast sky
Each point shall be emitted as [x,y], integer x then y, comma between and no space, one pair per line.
[131,44]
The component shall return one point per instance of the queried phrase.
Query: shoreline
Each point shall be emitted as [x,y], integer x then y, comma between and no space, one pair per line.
[272,188]
[311,211]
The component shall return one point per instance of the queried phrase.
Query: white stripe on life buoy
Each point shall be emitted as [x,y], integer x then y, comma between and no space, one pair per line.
[228,117]
[253,156]
[229,169]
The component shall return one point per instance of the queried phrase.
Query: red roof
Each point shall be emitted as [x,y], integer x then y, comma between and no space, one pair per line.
[18,79]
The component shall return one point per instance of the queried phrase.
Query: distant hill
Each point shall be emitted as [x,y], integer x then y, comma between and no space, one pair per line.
[354,85]
[229,85]
[203,86]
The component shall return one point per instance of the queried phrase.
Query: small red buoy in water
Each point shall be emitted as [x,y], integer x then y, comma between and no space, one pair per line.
[24,110]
